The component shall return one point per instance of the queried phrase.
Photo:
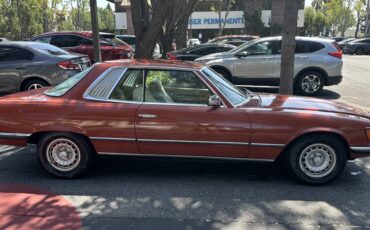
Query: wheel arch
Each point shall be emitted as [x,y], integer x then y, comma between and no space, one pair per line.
[36,137]
[30,78]
[313,68]
[312,133]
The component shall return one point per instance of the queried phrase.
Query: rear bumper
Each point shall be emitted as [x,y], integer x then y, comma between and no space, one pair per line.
[334,80]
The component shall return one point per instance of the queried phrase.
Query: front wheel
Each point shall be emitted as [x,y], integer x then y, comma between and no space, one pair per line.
[309,83]
[65,155]
[317,159]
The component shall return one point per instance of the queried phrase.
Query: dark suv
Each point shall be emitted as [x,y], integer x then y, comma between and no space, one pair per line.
[81,42]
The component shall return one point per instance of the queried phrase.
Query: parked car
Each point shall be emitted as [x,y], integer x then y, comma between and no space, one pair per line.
[130,39]
[193,42]
[163,108]
[81,42]
[228,38]
[193,52]
[345,41]
[358,47]
[318,63]
[32,65]
[4,40]
[338,39]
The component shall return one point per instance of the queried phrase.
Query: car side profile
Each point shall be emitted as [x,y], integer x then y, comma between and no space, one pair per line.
[81,42]
[318,63]
[31,65]
[194,52]
[358,46]
[146,108]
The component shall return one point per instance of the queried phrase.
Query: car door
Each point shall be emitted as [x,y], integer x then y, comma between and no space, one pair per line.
[176,120]
[14,64]
[255,63]
[367,46]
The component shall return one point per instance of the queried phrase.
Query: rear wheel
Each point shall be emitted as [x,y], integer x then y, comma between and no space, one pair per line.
[34,84]
[309,83]
[65,155]
[317,159]
[359,51]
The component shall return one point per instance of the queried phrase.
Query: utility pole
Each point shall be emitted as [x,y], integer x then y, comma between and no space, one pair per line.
[95,30]
[367,23]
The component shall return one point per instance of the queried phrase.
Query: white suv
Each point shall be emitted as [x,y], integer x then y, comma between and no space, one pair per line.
[318,63]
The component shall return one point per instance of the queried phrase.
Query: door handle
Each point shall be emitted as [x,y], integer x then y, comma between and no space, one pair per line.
[148,116]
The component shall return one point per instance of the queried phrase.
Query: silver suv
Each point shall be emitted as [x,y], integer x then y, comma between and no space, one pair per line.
[318,63]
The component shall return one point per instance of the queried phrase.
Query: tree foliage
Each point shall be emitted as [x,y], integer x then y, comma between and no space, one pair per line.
[22,19]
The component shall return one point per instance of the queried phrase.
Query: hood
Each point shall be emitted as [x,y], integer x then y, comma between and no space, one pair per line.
[281,102]
[215,56]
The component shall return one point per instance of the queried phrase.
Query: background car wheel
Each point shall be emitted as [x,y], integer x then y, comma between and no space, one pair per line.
[34,84]
[359,51]
[309,83]
[65,155]
[223,73]
[317,159]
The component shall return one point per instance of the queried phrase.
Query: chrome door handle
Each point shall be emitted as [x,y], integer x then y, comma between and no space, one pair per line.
[147,116]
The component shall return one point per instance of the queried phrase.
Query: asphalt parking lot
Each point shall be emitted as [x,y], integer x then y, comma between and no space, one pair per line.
[167,194]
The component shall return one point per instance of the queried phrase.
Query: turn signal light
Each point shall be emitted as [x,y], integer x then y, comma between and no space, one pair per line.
[368,134]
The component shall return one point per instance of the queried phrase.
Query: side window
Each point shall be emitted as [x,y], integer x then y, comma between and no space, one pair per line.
[130,87]
[65,40]
[45,39]
[300,47]
[14,54]
[263,48]
[314,46]
[206,50]
[223,49]
[174,86]
[84,41]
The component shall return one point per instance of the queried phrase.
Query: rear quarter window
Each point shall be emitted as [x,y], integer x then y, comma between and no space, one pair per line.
[314,46]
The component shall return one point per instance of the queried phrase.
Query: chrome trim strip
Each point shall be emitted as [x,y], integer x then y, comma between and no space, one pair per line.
[266,145]
[112,139]
[184,156]
[193,142]
[362,150]
[14,135]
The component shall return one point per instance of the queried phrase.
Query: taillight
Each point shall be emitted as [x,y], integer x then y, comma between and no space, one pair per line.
[171,56]
[337,54]
[69,65]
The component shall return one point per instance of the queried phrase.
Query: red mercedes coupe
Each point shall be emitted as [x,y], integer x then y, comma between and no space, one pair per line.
[177,109]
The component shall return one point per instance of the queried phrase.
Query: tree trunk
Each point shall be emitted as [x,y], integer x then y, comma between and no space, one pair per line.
[288,46]
[45,19]
[148,25]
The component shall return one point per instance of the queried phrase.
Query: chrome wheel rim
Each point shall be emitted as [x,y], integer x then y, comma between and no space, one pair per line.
[35,86]
[317,160]
[63,154]
[311,83]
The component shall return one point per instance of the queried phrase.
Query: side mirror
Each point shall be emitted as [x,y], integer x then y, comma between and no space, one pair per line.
[214,100]
[242,54]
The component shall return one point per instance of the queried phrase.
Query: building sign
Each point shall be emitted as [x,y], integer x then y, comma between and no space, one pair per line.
[121,21]
[266,18]
[211,20]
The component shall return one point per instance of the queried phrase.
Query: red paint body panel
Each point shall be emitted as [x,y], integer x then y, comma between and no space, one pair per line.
[265,119]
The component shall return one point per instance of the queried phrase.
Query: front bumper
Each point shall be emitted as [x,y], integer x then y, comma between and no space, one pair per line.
[334,80]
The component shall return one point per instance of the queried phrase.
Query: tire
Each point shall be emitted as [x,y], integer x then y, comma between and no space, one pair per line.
[309,83]
[224,73]
[65,143]
[34,84]
[328,152]
[359,51]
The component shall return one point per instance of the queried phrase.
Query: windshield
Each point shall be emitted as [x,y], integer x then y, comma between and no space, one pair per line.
[65,86]
[50,49]
[231,92]
[242,46]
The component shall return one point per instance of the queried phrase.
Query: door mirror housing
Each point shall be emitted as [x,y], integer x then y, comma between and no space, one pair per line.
[242,54]
[214,100]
